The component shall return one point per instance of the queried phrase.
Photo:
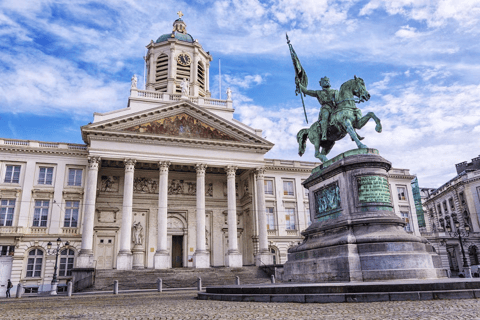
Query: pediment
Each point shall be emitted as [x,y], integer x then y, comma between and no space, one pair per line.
[180,121]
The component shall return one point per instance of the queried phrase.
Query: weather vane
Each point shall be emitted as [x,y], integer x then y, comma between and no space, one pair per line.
[180,14]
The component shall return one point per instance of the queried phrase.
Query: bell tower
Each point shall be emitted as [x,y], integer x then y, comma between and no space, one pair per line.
[175,56]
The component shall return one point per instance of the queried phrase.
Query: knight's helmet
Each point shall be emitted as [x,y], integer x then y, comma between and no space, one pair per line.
[325,82]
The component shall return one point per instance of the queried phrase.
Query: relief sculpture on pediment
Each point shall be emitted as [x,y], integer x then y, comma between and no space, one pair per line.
[182,125]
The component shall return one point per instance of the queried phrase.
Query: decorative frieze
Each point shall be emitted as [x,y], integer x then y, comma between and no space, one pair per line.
[109,184]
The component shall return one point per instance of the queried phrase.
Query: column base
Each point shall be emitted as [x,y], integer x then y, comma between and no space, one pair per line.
[262,259]
[138,261]
[124,261]
[162,261]
[201,259]
[234,260]
[85,261]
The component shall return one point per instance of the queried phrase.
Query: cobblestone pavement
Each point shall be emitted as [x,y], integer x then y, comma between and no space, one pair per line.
[183,305]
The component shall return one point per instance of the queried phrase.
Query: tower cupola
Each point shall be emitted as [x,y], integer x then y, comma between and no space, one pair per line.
[176,56]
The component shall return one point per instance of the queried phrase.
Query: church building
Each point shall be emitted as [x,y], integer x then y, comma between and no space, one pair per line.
[172,180]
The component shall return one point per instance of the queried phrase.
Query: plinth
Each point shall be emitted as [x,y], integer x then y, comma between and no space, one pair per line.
[355,234]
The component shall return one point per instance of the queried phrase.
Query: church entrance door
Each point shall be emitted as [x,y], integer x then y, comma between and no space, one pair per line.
[177,251]
[105,252]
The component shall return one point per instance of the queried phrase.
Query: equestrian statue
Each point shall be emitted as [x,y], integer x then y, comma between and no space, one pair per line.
[338,114]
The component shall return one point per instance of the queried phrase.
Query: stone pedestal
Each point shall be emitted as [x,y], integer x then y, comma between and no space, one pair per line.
[124,261]
[201,259]
[355,234]
[138,257]
[84,261]
[263,259]
[161,260]
[233,260]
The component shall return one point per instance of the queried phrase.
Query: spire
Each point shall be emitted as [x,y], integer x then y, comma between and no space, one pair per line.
[179,25]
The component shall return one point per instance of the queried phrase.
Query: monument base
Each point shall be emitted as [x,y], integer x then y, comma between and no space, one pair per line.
[262,259]
[233,260]
[124,261]
[355,234]
[161,261]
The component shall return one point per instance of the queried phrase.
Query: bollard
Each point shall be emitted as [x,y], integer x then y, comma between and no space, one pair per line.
[272,277]
[159,285]
[19,290]
[115,287]
[199,284]
[69,288]
[237,280]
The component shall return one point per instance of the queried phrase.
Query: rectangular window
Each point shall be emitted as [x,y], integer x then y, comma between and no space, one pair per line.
[452,206]
[75,177]
[407,221]
[445,206]
[439,208]
[289,219]
[40,215]
[71,214]
[269,187]
[288,188]
[270,218]
[462,199]
[67,258]
[45,175]
[12,174]
[7,209]
[402,193]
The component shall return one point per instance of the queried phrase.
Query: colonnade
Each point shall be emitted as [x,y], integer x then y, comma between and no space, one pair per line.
[201,257]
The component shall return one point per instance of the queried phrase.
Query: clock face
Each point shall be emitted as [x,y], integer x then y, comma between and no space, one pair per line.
[184,59]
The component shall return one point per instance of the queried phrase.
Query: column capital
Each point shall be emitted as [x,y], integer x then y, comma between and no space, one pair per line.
[260,172]
[200,167]
[164,166]
[231,171]
[129,164]
[93,162]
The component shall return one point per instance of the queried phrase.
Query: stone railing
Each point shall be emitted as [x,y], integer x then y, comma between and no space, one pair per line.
[292,232]
[38,230]
[10,230]
[154,95]
[70,230]
[272,232]
[39,144]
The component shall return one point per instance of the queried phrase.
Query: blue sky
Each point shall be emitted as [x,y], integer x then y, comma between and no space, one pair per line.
[60,61]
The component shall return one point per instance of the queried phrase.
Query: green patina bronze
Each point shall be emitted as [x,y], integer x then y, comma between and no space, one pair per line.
[373,189]
[327,202]
[338,115]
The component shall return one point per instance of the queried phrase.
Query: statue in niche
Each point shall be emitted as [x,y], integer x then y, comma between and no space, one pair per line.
[109,184]
[134,82]
[137,235]
[209,192]
[185,86]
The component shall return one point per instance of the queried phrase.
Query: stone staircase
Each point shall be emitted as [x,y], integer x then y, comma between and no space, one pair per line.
[176,278]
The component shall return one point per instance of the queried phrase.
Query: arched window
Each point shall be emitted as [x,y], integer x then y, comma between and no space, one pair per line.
[67,257]
[161,73]
[201,78]
[34,263]
[473,253]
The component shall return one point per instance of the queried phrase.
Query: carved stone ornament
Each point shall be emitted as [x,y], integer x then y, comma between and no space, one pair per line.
[109,184]
[181,187]
[93,163]
[209,191]
[145,185]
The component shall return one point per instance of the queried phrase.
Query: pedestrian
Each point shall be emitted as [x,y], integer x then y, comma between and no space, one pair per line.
[9,286]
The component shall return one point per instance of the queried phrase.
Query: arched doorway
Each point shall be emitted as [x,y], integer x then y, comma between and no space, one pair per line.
[176,230]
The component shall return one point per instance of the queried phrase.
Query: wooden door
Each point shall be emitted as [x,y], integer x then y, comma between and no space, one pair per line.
[177,251]
[105,252]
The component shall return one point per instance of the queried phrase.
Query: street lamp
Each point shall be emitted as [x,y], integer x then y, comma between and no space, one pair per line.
[55,251]
[461,233]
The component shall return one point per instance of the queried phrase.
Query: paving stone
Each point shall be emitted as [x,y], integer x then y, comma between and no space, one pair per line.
[184,305]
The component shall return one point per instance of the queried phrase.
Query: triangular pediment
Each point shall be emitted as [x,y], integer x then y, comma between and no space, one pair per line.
[182,125]
[178,121]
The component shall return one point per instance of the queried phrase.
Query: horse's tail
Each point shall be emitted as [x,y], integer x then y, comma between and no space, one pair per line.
[302,136]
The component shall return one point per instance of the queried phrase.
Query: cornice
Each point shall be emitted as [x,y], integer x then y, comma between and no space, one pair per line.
[52,151]
[175,141]
[399,176]
[295,169]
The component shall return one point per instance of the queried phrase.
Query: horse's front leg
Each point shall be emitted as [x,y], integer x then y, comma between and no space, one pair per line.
[353,134]
[360,123]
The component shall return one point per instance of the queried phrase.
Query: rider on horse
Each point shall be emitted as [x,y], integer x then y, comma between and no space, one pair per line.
[328,100]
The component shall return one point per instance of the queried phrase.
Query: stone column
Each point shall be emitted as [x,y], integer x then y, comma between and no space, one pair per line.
[152,71]
[201,258]
[263,256]
[162,257]
[233,258]
[85,257]
[124,258]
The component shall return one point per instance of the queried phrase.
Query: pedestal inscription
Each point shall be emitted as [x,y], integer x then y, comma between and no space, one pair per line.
[373,189]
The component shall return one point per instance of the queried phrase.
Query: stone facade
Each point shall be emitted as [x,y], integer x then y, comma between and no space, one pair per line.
[458,200]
